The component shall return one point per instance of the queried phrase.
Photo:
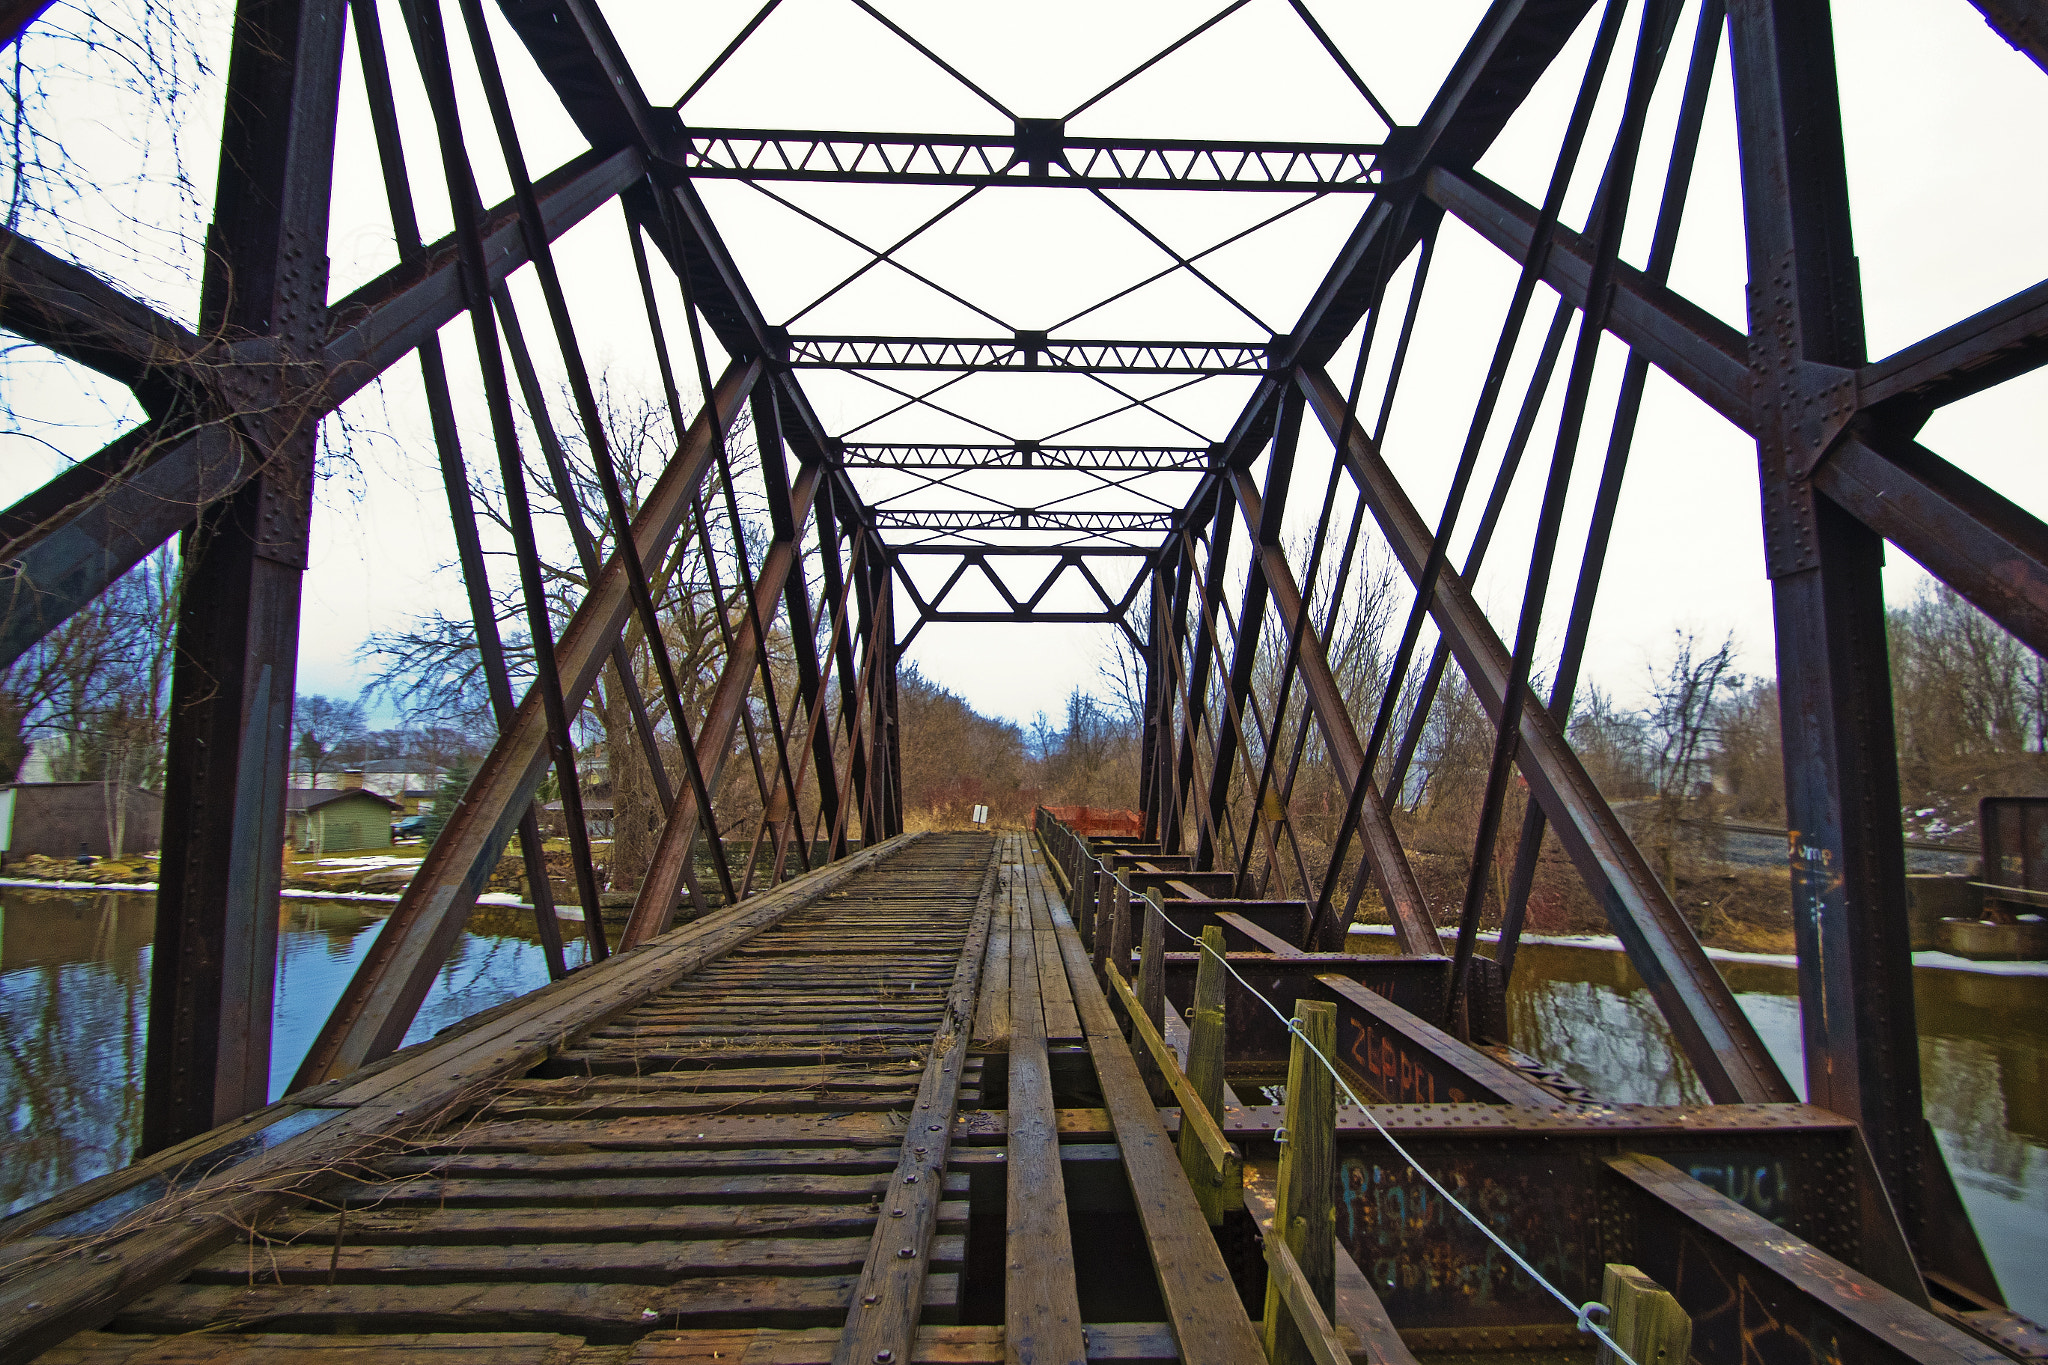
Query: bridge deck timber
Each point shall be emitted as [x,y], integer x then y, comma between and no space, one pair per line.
[891,1097]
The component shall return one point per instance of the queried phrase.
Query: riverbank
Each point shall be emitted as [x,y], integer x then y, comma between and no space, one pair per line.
[1930,958]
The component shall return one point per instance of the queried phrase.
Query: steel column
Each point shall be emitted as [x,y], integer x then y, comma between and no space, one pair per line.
[1841,777]
[215,960]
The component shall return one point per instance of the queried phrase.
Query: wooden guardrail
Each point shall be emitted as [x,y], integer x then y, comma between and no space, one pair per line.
[1301,1250]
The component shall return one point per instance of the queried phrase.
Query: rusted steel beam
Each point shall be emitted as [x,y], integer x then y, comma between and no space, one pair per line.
[96,521]
[1982,544]
[1698,1241]
[654,908]
[378,1006]
[1745,1194]
[1986,547]
[2022,23]
[213,972]
[17,15]
[1028,352]
[1381,1032]
[833,582]
[388,317]
[1207,602]
[1025,158]
[1704,354]
[1716,1036]
[1413,926]
[1986,348]
[74,312]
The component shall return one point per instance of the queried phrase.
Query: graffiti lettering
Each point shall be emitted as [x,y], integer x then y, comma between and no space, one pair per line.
[1389,1068]
[1758,1186]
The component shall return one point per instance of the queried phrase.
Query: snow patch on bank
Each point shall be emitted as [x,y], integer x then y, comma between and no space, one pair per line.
[1931,958]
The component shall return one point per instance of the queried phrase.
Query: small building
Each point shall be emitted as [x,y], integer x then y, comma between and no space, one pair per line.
[597,816]
[338,819]
[64,819]
[400,778]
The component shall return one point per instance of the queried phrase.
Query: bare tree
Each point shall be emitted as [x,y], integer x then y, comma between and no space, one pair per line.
[1682,729]
[1971,706]
[95,692]
[326,727]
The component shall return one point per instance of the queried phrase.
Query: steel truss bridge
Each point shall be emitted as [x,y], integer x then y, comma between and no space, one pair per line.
[880,529]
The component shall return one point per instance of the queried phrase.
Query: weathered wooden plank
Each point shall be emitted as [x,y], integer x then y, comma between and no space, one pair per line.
[899,1008]
[992,1024]
[1041,1304]
[564,1160]
[900,1073]
[603,1191]
[614,1262]
[890,1291]
[1644,1319]
[598,1312]
[1056,998]
[379,1226]
[793,1051]
[1132,1341]
[1286,1283]
[1208,1321]
[622,1039]
[839,1099]
[464,1348]
[732,1130]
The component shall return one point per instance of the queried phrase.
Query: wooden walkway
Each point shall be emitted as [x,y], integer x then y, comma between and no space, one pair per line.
[745,1158]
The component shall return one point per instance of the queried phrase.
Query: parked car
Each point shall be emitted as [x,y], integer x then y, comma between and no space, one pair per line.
[411,827]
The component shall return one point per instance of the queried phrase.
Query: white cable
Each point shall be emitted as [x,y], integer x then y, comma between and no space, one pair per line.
[1582,1313]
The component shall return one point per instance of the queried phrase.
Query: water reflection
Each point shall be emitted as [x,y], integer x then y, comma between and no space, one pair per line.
[74,1004]
[1983,1059]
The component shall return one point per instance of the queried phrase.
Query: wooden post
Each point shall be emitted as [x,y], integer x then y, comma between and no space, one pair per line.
[1205,1071]
[1304,1214]
[1644,1318]
[1152,960]
[1105,923]
[1120,933]
[1084,903]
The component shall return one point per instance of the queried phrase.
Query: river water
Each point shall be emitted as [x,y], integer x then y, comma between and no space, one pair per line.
[74,983]
[1983,1062]
[74,1004]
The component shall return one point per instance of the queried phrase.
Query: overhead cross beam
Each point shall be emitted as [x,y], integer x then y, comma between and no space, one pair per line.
[1016,519]
[1027,455]
[1038,154]
[1027,351]
[1024,607]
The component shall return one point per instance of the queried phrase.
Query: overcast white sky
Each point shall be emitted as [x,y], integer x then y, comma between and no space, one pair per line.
[1944,133]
